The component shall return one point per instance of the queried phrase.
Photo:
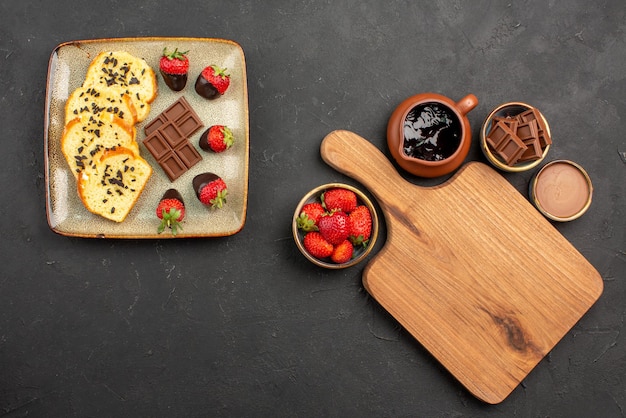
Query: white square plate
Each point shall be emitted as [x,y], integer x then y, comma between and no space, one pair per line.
[66,71]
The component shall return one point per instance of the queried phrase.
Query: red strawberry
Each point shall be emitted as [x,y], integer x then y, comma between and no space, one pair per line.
[173,67]
[342,252]
[217,138]
[339,199]
[316,245]
[210,189]
[309,215]
[334,227]
[360,225]
[171,211]
[212,82]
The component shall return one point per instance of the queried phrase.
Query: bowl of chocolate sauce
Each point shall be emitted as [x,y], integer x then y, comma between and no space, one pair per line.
[429,135]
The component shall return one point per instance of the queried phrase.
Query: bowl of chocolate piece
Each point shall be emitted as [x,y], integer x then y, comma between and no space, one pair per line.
[429,135]
[515,137]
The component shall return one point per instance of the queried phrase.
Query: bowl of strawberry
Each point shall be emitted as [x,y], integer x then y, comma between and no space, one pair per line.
[335,226]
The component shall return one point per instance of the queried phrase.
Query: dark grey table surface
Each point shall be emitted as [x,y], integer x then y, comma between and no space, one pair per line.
[245,325]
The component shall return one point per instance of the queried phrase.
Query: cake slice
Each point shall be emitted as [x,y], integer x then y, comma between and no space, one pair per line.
[111,186]
[101,103]
[83,138]
[127,74]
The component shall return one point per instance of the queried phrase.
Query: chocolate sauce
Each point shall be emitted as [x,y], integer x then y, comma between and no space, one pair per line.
[202,180]
[176,82]
[432,132]
[206,89]
[203,142]
[172,194]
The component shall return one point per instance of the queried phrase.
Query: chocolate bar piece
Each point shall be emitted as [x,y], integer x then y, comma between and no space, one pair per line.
[167,138]
[506,143]
[509,121]
[533,114]
[497,134]
[528,130]
[528,115]
[533,150]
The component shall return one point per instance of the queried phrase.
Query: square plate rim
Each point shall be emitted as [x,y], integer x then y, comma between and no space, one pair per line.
[46,128]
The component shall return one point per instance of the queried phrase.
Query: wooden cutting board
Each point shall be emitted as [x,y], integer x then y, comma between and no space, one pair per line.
[470,268]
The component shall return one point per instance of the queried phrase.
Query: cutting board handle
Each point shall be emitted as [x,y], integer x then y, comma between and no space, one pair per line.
[359,159]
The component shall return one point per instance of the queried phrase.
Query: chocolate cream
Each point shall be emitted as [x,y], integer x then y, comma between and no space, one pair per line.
[562,189]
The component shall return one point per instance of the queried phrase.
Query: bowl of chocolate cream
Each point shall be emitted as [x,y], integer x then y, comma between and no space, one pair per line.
[561,190]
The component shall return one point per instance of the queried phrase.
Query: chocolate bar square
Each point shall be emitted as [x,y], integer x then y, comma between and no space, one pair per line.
[497,134]
[533,151]
[509,147]
[157,145]
[528,130]
[154,125]
[188,154]
[172,135]
[188,124]
[173,166]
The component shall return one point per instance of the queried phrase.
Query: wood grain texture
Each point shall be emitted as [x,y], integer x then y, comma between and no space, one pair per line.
[470,268]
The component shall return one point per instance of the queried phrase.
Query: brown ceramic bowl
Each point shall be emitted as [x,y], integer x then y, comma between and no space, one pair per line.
[510,109]
[454,154]
[360,253]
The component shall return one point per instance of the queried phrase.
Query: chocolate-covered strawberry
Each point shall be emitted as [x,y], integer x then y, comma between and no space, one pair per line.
[210,189]
[212,82]
[174,67]
[218,138]
[171,211]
